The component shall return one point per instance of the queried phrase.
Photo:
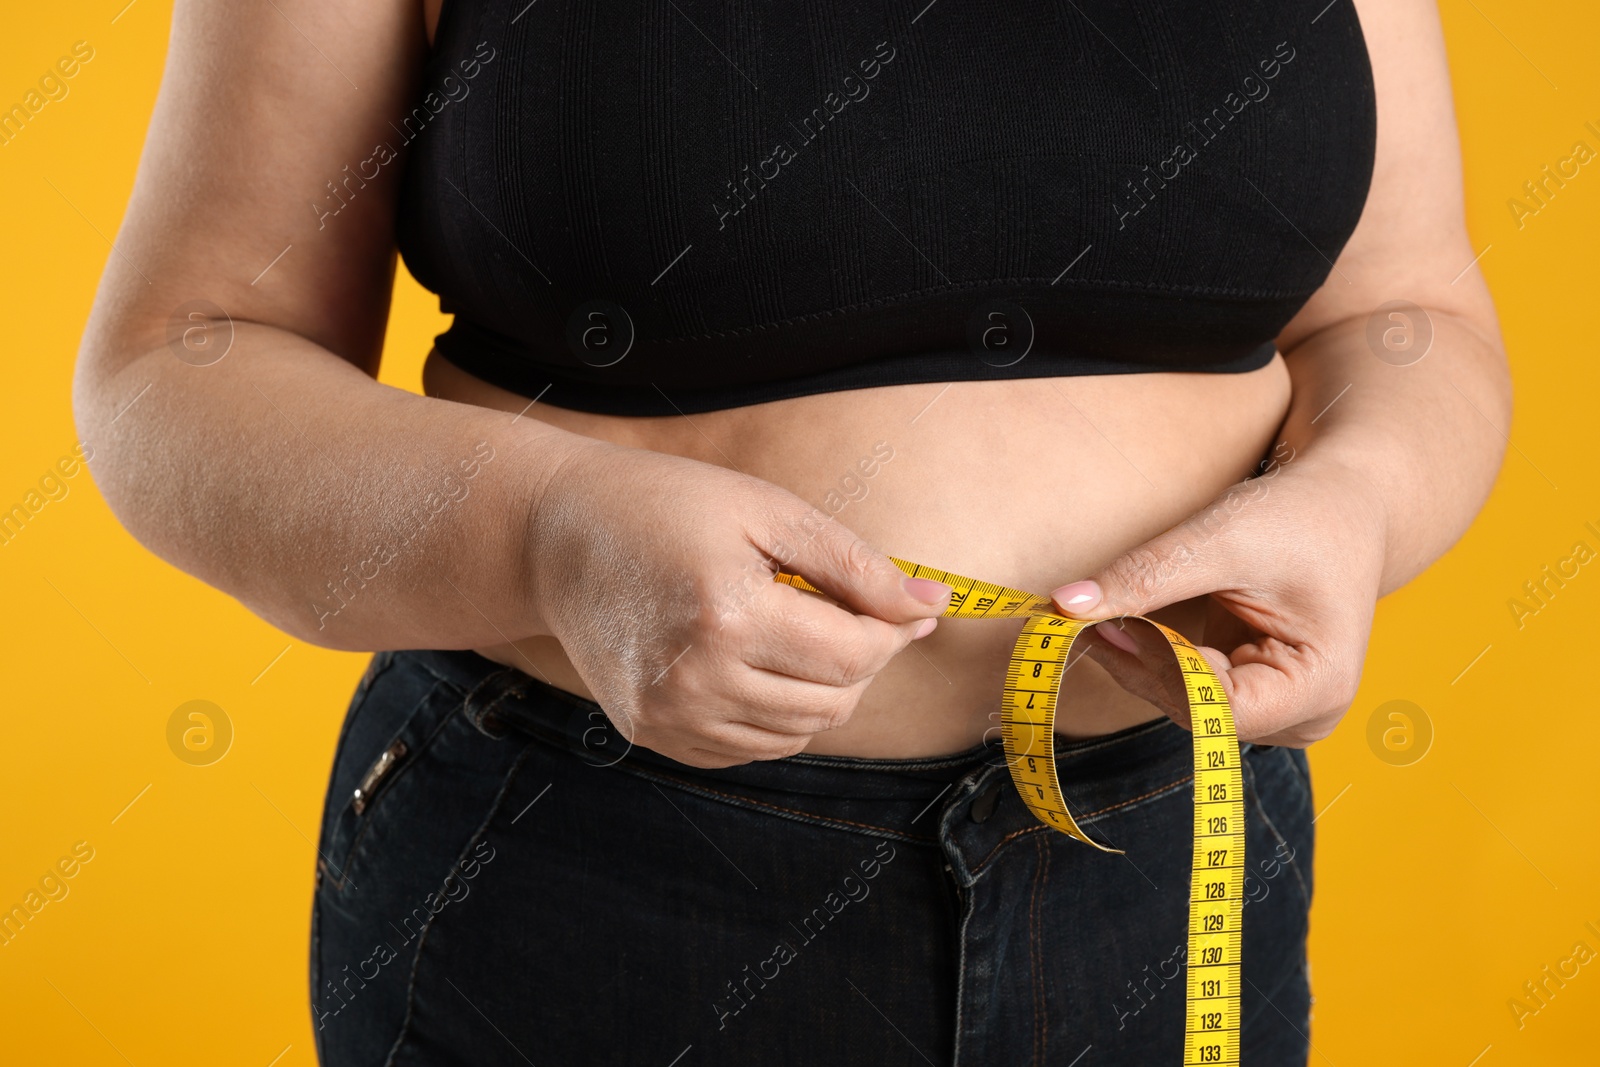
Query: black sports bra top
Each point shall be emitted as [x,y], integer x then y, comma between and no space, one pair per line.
[644,207]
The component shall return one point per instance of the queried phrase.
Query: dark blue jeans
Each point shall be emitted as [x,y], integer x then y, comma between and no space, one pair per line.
[504,881]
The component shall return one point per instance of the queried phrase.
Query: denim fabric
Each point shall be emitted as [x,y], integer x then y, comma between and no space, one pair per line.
[522,886]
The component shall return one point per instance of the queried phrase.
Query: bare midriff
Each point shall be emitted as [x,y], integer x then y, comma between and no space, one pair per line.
[1031,483]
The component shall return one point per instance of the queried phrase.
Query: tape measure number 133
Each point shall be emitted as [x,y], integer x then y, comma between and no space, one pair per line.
[1027,730]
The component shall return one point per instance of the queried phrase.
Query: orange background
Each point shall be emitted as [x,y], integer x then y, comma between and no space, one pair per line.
[1442,885]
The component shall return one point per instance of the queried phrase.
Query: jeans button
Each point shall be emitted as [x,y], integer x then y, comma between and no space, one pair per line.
[985,802]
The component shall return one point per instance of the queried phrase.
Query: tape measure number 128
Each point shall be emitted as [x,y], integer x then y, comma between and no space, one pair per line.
[1027,717]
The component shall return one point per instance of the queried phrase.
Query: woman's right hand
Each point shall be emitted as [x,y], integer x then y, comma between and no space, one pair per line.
[655,574]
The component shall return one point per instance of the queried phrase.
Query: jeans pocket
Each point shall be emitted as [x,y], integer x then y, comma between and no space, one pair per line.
[1277,902]
[394,716]
[414,783]
[1278,788]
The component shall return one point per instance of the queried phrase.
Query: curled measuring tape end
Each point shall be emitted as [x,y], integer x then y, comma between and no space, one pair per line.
[1039,660]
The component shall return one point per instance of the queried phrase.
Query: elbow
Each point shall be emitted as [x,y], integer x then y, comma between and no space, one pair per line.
[1480,369]
[129,412]
[104,410]
[313,621]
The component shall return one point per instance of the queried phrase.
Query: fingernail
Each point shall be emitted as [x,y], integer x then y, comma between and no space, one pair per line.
[925,629]
[926,590]
[1117,636]
[1077,596]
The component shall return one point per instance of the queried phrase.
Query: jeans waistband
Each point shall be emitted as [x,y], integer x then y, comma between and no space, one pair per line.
[500,701]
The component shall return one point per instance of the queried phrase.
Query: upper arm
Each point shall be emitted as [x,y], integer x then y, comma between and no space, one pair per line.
[263,104]
[1411,242]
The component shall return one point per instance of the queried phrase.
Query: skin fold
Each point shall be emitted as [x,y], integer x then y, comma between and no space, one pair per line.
[624,558]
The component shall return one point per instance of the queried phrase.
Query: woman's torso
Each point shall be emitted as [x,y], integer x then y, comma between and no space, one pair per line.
[1029,483]
[1020,469]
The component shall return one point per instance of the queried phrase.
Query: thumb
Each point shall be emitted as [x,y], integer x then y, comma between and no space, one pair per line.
[848,569]
[1164,570]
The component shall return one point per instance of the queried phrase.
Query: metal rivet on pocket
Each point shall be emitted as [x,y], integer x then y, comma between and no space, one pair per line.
[984,803]
[375,775]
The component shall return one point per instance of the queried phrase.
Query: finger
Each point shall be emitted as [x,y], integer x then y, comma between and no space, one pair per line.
[789,706]
[1296,737]
[1162,686]
[1153,678]
[814,641]
[1277,690]
[1118,635]
[726,744]
[846,568]
[722,689]
[689,746]
[1186,561]
[755,742]
[705,758]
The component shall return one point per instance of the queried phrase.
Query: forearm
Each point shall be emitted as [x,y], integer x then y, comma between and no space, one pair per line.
[347,513]
[1426,439]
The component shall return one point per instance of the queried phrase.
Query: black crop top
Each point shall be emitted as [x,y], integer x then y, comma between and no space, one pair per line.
[647,207]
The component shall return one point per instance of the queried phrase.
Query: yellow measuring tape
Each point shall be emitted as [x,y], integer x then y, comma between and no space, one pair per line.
[1027,717]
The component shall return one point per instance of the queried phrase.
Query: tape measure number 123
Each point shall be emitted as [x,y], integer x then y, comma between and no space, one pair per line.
[1027,717]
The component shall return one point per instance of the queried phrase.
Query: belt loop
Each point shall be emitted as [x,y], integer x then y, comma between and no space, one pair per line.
[481,703]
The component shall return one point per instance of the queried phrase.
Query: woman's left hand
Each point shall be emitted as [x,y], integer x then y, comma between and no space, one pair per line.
[1289,567]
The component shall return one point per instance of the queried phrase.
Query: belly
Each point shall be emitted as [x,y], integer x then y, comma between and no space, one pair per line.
[1031,483]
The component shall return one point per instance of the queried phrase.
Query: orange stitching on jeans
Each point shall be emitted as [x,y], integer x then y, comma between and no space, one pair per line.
[358,840]
[1135,800]
[427,927]
[1085,817]
[1003,842]
[736,798]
